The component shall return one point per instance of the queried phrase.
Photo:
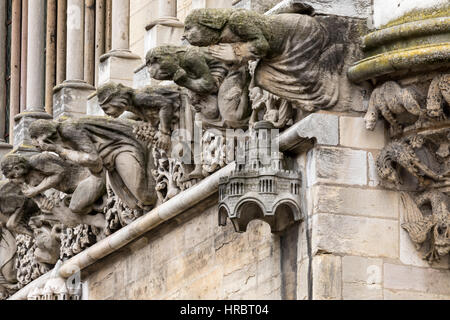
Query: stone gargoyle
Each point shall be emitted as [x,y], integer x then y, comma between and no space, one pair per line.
[46,171]
[8,272]
[434,226]
[157,105]
[297,62]
[100,144]
[218,93]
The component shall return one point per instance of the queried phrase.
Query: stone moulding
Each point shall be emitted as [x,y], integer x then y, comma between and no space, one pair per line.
[421,58]
[179,204]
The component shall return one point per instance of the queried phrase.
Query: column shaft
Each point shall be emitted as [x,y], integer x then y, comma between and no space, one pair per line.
[167,8]
[14,103]
[89,41]
[3,32]
[61,38]
[24,57]
[50,63]
[75,40]
[99,34]
[108,25]
[36,63]
[120,24]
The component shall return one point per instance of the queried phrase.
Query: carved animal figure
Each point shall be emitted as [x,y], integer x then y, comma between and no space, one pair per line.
[401,154]
[297,61]
[390,99]
[99,144]
[157,105]
[437,225]
[438,96]
[218,94]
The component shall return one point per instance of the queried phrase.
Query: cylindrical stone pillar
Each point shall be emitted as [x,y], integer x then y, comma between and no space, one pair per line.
[61,38]
[99,34]
[24,57]
[120,24]
[50,63]
[89,41]
[36,63]
[108,25]
[14,101]
[2,72]
[167,9]
[75,40]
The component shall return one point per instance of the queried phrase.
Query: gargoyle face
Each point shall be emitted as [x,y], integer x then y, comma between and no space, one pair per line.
[115,107]
[162,67]
[14,170]
[371,120]
[434,113]
[200,36]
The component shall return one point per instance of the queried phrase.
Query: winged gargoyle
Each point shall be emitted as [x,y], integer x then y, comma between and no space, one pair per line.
[435,226]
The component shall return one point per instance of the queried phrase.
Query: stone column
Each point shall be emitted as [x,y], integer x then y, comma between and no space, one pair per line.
[4,147]
[35,74]
[100,14]
[69,98]
[24,57]
[14,97]
[50,63]
[89,41]
[118,64]
[61,39]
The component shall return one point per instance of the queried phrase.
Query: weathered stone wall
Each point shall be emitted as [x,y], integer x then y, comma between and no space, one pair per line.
[192,258]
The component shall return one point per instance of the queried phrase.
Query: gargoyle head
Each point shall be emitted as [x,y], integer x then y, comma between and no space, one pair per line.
[371,119]
[164,61]
[15,167]
[113,98]
[441,235]
[203,27]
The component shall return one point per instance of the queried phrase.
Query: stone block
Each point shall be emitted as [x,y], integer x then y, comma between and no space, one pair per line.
[362,278]
[358,202]
[161,35]
[371,237]
[93,108]
[411,295]
[337,166]
[118,69]
[323,127]
[200,4]
[353,133]
[374,180]
[303,280]
[327,280]
[69,99]
[141,77]
[409,278]
[347,8]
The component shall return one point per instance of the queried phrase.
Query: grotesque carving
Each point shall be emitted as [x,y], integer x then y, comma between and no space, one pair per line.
[390,99]
[47,171]
[218,93]
[75,240]
[297,62]
[438,96]
[47,238]
[8,272]
[434,226]
[102,144]
[157,105]
[15,208]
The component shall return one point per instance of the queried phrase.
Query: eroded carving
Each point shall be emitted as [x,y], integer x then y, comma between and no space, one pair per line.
[297,62]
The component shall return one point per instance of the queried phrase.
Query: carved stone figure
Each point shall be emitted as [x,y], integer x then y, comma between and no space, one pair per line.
[434,226]
[390,100]
[297,61]
[47,238]
[47,171]
[99,144]
[401,154]
[439,96]
[8,272]
[157,105]
[218,93]
[16,209]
